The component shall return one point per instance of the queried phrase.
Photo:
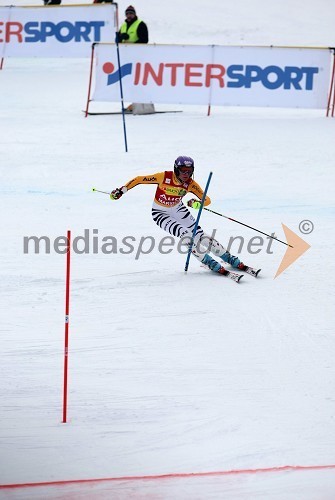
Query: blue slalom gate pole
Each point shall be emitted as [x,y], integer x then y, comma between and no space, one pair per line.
[197,221]
[121,92]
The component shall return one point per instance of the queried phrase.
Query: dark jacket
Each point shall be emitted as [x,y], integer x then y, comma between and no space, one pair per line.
[142,32]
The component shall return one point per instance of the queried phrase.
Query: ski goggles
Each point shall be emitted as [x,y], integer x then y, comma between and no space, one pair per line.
[186,170]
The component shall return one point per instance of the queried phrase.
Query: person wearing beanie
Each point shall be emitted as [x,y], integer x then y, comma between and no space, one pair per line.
[133,30]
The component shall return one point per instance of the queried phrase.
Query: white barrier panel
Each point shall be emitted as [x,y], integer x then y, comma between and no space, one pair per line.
[218,75]
[64,31]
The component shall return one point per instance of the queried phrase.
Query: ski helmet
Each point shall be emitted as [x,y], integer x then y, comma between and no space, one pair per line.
[183,161]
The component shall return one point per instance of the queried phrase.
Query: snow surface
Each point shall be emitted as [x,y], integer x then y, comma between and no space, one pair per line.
[169,373]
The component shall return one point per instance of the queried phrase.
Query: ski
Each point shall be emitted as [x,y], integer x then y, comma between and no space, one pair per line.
[252,271]
[126,112]
[233,276]
[228,274]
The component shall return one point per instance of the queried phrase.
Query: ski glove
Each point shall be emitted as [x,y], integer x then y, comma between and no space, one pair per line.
[194,204]
[123,36]
[117,193]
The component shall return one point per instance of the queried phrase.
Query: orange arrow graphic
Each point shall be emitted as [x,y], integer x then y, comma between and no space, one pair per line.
[294,251]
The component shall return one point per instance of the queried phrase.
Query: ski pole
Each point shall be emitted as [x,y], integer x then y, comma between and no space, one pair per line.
[121,92]
[97,191]
[246,225]
[197,221]
[225,216]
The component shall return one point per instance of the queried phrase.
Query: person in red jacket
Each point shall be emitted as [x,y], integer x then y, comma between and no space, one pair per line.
[170,213]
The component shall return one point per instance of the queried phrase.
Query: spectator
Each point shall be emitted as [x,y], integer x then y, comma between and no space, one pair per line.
[133,30]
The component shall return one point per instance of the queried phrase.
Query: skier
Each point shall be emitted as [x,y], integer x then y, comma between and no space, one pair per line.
[169,213]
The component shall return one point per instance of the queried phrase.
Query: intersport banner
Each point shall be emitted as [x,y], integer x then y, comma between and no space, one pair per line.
[60,31]
[217,75]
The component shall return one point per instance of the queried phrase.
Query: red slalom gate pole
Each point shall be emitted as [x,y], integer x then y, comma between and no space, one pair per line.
[67,311]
